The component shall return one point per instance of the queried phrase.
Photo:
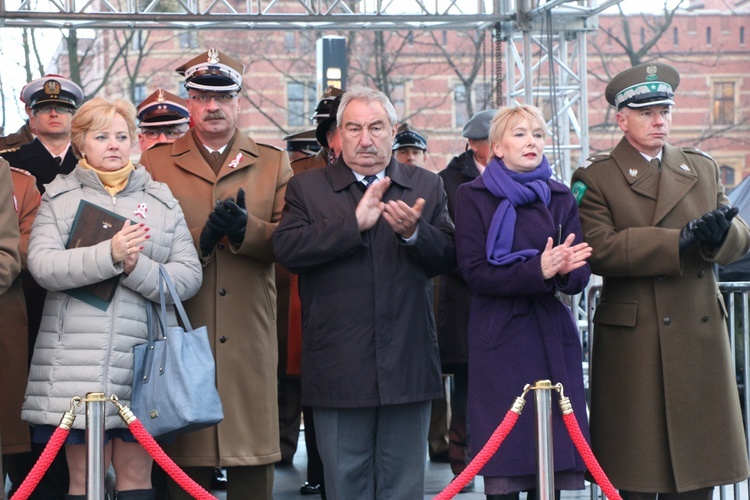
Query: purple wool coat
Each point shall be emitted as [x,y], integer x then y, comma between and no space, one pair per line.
[519,332]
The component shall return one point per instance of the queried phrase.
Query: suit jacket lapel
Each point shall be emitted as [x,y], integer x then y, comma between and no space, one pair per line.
[243,154]
[641,175]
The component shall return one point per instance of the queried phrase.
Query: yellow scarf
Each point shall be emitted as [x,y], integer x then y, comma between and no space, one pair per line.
[114,182]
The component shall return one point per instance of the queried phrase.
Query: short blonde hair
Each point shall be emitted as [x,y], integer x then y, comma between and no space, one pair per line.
[97,114]
[508,117]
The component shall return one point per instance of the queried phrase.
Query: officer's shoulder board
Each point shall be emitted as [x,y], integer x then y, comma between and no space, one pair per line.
[21,171]
[10,150]
[595,159]
[696,151]
[269,146]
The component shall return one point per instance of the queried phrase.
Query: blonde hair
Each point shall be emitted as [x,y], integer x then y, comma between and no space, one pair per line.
[97,114]
[508,117]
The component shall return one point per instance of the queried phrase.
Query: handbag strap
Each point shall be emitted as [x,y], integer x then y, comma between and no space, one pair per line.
[148,360]
[166,280]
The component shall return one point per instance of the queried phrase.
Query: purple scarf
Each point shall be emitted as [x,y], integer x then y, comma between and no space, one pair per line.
[515,189]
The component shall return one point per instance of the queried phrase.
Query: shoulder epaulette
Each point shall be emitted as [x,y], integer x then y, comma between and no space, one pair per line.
[269,146]
[302,158]
[595,159]
[10,150]
[21,171]
[695,151]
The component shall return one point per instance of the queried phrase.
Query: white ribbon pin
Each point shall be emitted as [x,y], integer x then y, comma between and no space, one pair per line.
[236,161]
[633,172]
[684,167]
[141,210]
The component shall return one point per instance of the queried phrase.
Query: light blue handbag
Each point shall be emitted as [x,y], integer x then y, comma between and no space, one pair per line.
[174,377]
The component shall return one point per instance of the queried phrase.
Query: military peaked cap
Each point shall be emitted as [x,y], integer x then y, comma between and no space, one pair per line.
[648,84]
[212,71]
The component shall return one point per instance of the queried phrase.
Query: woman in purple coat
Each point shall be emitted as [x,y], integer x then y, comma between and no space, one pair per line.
[519,244]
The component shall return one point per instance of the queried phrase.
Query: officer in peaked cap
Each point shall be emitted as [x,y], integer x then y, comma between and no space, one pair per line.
[647,84]
[53,100]
[477,131]
[162,117]
[212,71]
[658,218]
[409,146]
[231,189]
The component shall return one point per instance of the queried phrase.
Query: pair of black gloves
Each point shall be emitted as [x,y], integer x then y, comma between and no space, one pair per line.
[711,228]
[229,218]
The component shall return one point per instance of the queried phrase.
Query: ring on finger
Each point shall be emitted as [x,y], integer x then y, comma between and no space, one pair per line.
[400,221]
[128,251]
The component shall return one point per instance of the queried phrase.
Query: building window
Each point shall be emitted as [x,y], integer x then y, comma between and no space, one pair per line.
[742,35]
[675,39]
[398,99]
[727,176]
[290,41]
[723,109]
[138,40]
[300,103]
[481,99]
[708,35]
[189,39]
[139,92]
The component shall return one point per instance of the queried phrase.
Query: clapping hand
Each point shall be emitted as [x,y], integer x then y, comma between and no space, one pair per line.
[564,258]
[712,227]
[228,218]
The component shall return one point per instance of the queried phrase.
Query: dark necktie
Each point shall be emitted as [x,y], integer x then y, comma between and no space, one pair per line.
[655,162]
[369,179]
[58,160]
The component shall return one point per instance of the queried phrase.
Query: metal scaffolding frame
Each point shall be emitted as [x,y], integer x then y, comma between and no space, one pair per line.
[543,42]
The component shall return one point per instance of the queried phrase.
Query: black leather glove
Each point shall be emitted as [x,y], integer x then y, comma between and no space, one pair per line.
[687,235]
[231,218]
[712,227]
[210,236]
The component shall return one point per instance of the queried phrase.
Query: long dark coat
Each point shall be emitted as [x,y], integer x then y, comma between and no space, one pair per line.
[237,301]
[13,342]
[665,412]
[454,304]
[35,158]
[519,332]
[367,299]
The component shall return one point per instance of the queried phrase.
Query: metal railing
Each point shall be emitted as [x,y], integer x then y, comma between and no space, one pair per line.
[737,299]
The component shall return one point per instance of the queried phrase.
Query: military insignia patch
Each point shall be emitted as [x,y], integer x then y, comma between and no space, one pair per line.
[578,189]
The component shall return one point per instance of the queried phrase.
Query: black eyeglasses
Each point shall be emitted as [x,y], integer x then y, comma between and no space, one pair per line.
[224,98]
[156,132]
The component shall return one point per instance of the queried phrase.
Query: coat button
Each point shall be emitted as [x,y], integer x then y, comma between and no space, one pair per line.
[222,292]
[661,278]
[705,318]
[667,320]
[223,339]
[701,273]
[220,246]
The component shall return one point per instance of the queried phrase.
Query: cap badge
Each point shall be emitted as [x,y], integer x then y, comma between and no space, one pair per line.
[52,87]
[160,96]
[236,161]
[651,73]
[684,167]
[213,56]
[633,172]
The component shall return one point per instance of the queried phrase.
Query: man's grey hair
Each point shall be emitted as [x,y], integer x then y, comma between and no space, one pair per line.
[360,93]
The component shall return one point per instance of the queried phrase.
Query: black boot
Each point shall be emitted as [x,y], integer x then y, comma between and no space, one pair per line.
[149,494]
[75,497]
[507,496]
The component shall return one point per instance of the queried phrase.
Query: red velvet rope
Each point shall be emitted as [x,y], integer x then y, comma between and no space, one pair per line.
[42,464]
[482,457]
[152,447]
[588,456]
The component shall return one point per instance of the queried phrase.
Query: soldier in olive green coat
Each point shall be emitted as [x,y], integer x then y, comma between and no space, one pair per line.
[665,414]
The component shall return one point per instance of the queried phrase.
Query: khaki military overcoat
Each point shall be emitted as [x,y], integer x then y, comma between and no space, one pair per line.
[237,301]
[665,412]
[14,343]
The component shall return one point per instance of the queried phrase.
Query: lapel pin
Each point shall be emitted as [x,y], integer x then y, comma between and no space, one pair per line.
[236,161]
[684,167]
[141,210]
[633,172]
